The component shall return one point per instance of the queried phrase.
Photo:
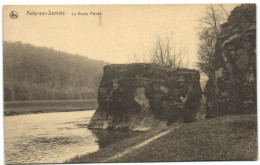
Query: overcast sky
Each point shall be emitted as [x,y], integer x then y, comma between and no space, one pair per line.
[121,31]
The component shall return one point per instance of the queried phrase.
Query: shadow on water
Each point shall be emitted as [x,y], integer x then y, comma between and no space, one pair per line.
[107,137]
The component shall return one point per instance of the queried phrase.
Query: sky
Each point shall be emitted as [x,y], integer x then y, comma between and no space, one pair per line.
[115,36]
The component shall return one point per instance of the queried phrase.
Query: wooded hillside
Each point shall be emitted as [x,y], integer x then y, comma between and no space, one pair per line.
[39,73]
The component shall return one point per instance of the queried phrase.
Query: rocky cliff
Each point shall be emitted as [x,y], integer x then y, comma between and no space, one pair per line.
[231,88]
[141,96]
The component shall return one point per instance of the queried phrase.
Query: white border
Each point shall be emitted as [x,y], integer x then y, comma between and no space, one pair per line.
[67,2]
[39,2]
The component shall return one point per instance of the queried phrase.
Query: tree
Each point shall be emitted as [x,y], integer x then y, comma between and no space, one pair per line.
[165,54]
[209,30]
[38,73]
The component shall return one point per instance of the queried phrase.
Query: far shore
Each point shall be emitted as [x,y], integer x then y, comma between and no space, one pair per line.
[12,108]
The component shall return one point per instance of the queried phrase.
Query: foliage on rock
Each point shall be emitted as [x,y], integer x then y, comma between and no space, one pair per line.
[232,84]
[140,96]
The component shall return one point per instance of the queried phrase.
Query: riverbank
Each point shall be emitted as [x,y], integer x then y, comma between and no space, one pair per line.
[45,106]
[223,138]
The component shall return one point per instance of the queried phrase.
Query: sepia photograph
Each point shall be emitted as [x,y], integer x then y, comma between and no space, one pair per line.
[129,83]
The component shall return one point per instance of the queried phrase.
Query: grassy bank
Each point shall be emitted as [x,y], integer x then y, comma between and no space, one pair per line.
[44,106]
[222,138]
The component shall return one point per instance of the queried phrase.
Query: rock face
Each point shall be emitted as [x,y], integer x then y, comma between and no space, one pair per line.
[232,86]
[141,96]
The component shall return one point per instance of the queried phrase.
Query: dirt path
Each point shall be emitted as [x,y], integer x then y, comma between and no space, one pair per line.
[136,147]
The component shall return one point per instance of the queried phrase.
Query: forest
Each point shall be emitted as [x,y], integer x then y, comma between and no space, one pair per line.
[40,73]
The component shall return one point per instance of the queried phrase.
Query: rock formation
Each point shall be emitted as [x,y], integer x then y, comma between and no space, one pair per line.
[142,96]
[232,86]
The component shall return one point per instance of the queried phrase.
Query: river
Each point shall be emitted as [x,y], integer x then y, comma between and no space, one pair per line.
[53,137]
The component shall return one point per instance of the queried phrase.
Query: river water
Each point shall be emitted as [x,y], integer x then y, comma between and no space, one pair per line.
[53,137]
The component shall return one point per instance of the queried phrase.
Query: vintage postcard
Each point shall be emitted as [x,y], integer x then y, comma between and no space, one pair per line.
[129,83]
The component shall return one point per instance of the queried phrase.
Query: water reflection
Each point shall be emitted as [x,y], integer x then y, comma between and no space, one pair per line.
[107,137]
[48,138]
[54,137]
